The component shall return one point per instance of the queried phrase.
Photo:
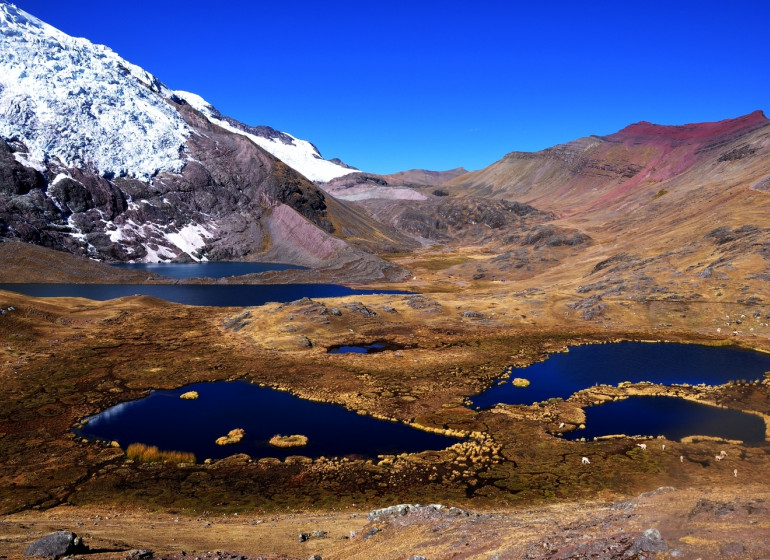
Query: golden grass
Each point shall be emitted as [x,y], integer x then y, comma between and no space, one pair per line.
[151,454]
[189,395]
[715,439]
[233,436]
[440,263]
[520,382]
[295,440]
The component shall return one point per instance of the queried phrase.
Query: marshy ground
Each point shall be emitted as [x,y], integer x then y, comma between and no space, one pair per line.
[63,360]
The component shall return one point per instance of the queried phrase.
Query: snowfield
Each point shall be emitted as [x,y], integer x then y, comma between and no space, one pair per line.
[300,155]
[69,99]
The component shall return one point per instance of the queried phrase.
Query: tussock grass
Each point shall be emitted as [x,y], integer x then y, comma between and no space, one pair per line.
[189,395]
[233,436]
[520,382]
[151,454]
[715,439]
[295,440]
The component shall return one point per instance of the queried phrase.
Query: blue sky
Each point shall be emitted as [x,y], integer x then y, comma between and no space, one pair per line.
[389,86]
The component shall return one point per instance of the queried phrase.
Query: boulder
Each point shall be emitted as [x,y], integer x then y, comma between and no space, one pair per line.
[650,541]
[56,545]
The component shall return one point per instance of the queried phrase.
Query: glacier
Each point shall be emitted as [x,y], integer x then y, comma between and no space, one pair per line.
[77,102]
[82,104]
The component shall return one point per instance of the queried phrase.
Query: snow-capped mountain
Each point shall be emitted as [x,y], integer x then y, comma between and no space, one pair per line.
[70,99]
[99,158]
[297,154]
[80,103]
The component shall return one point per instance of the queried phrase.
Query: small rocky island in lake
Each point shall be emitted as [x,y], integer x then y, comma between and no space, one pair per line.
[233,436]
[288,441]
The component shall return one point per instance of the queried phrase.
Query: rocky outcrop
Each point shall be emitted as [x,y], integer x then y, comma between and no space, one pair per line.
[433,511]
[231,201]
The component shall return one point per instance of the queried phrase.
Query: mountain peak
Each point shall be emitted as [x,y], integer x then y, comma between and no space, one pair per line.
[693,131]
[69,99]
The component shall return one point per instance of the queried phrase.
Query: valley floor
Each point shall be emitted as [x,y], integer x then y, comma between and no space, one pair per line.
[65,359]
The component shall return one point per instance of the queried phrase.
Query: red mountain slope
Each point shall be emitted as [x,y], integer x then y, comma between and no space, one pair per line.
[607,173]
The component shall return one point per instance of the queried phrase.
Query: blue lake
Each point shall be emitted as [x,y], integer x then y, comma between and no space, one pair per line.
[207,269]
[670,417]
[563,374]
[171,423]
[363,349]
[215,295]
[371,348]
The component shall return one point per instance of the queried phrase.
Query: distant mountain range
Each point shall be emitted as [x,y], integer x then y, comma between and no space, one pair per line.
[98,158]
[599,173]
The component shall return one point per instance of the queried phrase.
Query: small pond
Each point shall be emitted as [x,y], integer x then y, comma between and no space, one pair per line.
[214,295]
[565,373]
[165,420]
[207,269]
[371,348]
[670,417]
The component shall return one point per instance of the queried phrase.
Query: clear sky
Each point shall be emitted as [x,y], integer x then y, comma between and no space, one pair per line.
[390,86]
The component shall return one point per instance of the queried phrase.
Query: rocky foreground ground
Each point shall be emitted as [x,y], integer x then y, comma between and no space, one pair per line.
[663,523]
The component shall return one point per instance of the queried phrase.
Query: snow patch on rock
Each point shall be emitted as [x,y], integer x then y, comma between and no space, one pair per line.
[366,192]
[163,243]
[190,239]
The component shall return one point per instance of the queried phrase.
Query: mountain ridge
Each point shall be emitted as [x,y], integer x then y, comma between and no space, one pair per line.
[99,158]
[572,178]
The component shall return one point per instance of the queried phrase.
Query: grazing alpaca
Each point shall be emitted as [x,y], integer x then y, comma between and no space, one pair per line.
[681,458]
[718,457]
[585,461]
[642,446]
[735,473]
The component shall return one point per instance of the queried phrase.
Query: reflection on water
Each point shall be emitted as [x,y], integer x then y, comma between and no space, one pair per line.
[171,423]
[671,417]
[565,373]
[207,269]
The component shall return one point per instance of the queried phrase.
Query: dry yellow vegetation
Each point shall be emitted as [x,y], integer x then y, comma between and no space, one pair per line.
[233,436]
[295,440]
[151,454]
